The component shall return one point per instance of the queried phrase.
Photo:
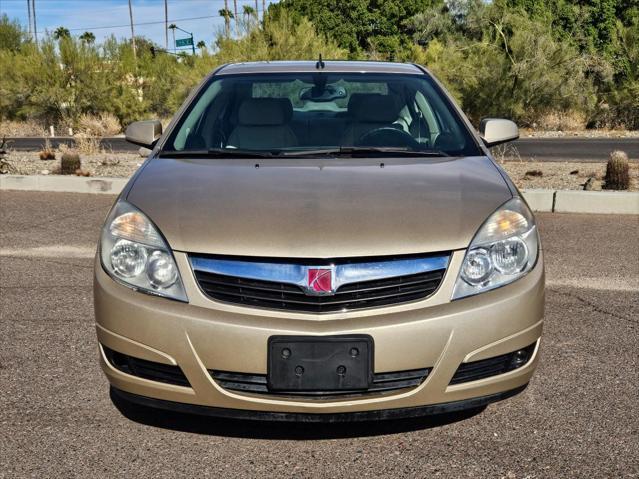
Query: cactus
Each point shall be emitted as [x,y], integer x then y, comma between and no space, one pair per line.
[70,163]
[617,172]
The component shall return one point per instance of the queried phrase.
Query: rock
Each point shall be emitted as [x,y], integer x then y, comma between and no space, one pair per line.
[589,184]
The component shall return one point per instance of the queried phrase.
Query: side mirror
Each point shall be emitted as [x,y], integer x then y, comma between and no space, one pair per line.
[144,133]
[495,131]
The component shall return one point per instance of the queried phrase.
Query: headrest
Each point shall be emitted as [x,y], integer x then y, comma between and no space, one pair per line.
[373,107]
[265,111]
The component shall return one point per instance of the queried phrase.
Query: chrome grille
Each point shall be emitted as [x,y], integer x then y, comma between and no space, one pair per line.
[359,285]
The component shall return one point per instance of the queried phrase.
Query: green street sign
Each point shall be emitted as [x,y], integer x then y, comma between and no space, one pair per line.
[184,42]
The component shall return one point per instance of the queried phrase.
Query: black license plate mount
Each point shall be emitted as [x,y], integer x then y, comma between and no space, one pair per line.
[320,363]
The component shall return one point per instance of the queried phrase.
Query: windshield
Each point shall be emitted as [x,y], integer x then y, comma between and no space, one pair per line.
[314,113]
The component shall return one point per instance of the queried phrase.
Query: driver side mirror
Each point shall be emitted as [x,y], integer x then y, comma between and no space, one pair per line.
[144,133]
[495,131]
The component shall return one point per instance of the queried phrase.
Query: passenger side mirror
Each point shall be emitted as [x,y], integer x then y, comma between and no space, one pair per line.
[144,133]
[495,131]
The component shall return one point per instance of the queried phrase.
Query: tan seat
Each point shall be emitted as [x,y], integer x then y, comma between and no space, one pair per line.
[367,112]
[263,125]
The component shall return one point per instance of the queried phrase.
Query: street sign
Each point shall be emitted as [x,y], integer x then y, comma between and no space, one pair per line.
[184,42]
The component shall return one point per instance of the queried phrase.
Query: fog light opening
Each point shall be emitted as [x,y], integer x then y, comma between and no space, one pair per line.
[520,358]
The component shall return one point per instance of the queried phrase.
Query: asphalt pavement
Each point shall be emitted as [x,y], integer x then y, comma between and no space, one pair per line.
[578,417]
[534,149]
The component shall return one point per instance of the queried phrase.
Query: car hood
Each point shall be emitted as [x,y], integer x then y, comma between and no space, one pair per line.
[318,208]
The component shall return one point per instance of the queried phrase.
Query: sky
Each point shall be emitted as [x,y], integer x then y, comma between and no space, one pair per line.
[107,17]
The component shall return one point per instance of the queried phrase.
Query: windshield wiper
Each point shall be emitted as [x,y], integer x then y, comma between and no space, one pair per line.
[363,150]
[218,153]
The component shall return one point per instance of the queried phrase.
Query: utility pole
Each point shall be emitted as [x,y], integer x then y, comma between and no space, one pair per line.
[263,11]
[166,25]
[35,26]
[29,12]
[132,31]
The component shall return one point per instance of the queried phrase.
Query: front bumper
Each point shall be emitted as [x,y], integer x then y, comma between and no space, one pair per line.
[434,333]
[377,415]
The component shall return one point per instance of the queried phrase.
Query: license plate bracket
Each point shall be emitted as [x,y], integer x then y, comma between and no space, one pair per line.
[320,363]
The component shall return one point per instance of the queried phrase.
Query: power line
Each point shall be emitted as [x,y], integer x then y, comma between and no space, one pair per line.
[128,25]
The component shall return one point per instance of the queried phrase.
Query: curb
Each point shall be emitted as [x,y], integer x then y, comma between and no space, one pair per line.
[604,202]
[575,201]
[540,200]
[68,184]
[557,201]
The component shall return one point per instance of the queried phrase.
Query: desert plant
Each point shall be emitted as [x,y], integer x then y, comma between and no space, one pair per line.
[617,171]
[104,124]
[5,166]
[47,152]
[89,145]
[70,163]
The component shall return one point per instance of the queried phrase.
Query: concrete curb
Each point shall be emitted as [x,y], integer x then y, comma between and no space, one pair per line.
[561,201]
[69,184]
[540,200]
[575,201]
[604,202]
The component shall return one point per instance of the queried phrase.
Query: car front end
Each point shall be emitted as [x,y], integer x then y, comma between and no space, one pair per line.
[318,284]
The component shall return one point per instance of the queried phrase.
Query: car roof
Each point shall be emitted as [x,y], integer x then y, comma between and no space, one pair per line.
[311,66]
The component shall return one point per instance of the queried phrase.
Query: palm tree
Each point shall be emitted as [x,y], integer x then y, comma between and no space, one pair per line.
[88,38]
[172,27]
[227,14]
[248,12]
[201,44]
[61,32]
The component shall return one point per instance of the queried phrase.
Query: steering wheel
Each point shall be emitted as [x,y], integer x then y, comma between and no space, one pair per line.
[388,136]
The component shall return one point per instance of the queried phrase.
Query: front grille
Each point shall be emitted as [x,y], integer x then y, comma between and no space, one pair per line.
[164,373]
[492,366]
[382,382]
[275,295]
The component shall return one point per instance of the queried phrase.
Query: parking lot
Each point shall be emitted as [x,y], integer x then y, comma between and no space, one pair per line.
[578,418]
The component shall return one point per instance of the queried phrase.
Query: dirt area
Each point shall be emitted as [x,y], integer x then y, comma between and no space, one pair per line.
[562,176]
[525,174]
[528,133]
[100,164]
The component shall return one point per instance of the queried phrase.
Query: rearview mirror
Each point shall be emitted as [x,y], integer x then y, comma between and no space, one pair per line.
[321,94]
[495,131]
[144,133]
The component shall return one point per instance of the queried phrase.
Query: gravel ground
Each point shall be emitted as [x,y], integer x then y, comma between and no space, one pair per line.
[555,175]
[577,419]
[528,133]
[562,176]
[101,164]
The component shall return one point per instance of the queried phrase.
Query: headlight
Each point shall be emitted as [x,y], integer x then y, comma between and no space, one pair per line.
[504,249]
[134,253]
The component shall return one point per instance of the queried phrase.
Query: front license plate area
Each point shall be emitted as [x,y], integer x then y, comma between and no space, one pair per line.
[311,363]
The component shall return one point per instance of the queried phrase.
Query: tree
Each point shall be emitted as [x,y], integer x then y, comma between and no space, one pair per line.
[88,38]
[360,25]
[227,14]
[201,44]
[61,32]
[248,12]
[11,34]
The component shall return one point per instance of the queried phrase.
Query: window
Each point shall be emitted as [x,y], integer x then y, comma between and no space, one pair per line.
[309,111]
